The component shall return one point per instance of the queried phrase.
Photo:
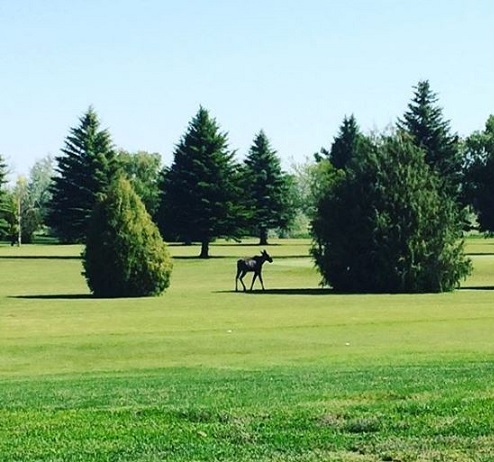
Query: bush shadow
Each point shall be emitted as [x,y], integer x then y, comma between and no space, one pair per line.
[40,257]
[53,296]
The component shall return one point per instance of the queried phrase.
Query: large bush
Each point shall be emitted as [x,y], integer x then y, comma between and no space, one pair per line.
[125,255]
[386,226]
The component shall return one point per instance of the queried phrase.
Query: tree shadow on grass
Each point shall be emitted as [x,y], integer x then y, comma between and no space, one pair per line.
[196,257]
[40,257]
[290,291]
[477,288]
[53,296]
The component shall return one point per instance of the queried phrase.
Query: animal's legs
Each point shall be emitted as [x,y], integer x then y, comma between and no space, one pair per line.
[253,279]
[260,279]
[236,280]
[242,279]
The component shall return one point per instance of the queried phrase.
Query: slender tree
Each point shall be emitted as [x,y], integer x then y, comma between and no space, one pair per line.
[425,124]
[125,255]
[84,169]
[35,197]
[200,193]
[267,189]
[388,226]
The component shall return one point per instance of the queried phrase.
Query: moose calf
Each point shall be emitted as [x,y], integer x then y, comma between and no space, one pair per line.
[254,264]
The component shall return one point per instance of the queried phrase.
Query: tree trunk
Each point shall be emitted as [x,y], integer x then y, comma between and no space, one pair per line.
[263,236]
[204,249]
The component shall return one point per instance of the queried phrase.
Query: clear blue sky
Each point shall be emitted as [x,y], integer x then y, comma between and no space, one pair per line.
[293,68]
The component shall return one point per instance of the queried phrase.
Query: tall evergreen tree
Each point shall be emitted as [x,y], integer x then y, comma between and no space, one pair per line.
[84,169]
[479,184]
[125,255]
[200,199]
[425,124]
[266,189]
[388,226]
[346,144]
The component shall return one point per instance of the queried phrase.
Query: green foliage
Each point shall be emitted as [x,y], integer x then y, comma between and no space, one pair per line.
[29,201]
[201,196]
[36,198]
[312,180]
[479,187]
[84,169]
[267,189]
[386,226]
[124,255]
[425,124]
[10,217]
[346,144]
[4,202]
[143,170]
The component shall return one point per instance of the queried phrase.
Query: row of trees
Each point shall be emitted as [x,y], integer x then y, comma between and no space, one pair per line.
[382,207]
[203,195]
[23,207]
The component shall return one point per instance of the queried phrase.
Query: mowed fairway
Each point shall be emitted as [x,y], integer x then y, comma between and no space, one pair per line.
[295,373]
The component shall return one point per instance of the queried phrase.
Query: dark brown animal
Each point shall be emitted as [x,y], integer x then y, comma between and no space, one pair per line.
[249,265]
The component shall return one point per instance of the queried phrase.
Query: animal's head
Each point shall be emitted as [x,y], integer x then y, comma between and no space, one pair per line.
[266,256]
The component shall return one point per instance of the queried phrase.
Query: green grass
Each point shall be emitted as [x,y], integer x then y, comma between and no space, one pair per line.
[204,373]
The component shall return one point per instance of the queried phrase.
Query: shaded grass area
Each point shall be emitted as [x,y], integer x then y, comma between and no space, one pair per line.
[401,413]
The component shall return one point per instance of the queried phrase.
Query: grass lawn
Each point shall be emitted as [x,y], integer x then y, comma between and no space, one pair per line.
[203,373]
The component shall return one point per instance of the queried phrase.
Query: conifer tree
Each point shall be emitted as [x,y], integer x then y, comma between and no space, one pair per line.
[346,144]
[387,226]
[125,255]
[425,124]
[266,189]
[200,192]
[84,170]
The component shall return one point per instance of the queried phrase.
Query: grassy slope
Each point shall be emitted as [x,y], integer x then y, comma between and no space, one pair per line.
[295,373]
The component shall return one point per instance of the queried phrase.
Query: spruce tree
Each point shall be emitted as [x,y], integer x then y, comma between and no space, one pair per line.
[200,193]
[388,226]
[425,124]
[84,170]
[125,255]
[346,144]
[266,189]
